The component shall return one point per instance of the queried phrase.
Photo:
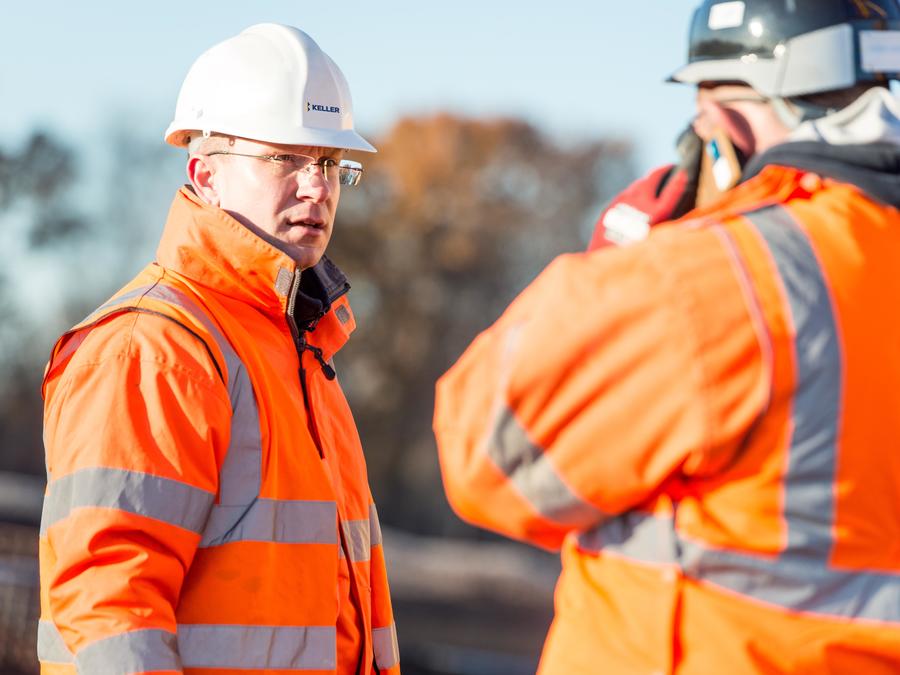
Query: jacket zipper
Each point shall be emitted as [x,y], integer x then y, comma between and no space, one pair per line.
[301,346]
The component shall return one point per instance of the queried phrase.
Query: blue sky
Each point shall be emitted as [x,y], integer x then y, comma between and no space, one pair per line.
[575,69]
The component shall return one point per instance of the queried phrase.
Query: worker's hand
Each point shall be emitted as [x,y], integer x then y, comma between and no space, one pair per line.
[666,193]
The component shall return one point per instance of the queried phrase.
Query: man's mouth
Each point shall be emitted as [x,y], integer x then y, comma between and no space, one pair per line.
[309,222]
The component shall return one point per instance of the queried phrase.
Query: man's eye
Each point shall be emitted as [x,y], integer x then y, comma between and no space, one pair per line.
[328,162]
[284,159]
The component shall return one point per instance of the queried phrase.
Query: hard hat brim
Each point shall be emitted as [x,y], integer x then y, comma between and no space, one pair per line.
[822,60]
[760,75]
[346,139]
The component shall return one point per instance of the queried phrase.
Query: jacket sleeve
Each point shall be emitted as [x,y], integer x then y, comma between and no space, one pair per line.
[135,431]
[614,374]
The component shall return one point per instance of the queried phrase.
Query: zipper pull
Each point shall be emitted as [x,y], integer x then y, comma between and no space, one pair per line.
[327,370]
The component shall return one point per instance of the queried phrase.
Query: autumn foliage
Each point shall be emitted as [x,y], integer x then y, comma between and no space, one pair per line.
[452,218]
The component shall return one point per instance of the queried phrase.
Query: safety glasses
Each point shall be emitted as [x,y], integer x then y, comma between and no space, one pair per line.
[345,171]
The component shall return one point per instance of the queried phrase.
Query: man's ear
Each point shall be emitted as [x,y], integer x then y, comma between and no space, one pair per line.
[203,177]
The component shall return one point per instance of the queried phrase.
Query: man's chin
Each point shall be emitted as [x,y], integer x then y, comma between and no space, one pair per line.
[306,257]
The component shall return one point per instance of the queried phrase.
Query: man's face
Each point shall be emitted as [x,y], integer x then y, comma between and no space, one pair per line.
[292,210]
[748,119]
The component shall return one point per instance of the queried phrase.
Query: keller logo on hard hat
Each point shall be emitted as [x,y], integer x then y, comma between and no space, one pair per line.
[322,108]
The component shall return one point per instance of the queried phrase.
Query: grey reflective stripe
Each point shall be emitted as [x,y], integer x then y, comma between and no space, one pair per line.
[798,583]
[146,495]
[357,539]
[374,526]
[283,281]
[50,645]
[635,535]
[115,301]
[270,520]
[793,582]
[241,474]
[74,342]
[200,646]
[240,514]
[534,476]
[138,651]
[798,579]
[809,508]
[240,478]
[175,297]
[258,647]
[384,644]
[71,346]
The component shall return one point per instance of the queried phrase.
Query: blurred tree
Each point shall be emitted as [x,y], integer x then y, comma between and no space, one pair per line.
[453,218]
[71,236]
[36,216]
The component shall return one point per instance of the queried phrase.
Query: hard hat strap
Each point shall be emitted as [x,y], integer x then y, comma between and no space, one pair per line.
[793,111]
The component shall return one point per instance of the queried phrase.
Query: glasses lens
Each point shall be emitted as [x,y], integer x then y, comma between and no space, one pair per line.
[295,162]
[330,168]
[350,173]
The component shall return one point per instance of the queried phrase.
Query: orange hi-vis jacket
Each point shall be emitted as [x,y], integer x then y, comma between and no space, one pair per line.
[708,424]
[208,507]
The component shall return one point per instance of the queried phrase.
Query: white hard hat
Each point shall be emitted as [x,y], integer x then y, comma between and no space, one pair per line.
[271,83]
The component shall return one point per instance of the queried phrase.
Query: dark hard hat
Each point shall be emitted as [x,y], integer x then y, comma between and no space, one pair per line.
[793,47]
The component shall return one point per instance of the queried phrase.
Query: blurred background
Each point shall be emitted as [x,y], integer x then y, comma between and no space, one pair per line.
[502,128]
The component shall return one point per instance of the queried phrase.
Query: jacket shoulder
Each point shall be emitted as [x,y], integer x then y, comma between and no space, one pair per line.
[137,326]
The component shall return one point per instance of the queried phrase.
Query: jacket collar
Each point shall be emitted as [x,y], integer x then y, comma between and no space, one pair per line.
[206,245]
[874,117]
[859,145]
[872,167]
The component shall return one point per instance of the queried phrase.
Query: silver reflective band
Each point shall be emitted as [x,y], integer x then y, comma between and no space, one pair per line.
[240,515]
[799,578]
[361,535]
[271,520]
[199,646]
[142,494]
[384,644]
[241,474]
[50,645]
[179,299]
[74,342]
[531,472]
[635,535]
[240,477]
[809,508]
[174,297]
[795,582]
[374,526]
[792,581]
[138,651]
[258,647]
[356,538]
[114,301]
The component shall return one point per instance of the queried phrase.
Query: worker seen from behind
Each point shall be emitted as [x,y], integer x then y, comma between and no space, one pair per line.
[208,509]
[707,421]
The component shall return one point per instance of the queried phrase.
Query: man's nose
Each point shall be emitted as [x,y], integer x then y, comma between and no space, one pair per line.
[709,116]
[312,184]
